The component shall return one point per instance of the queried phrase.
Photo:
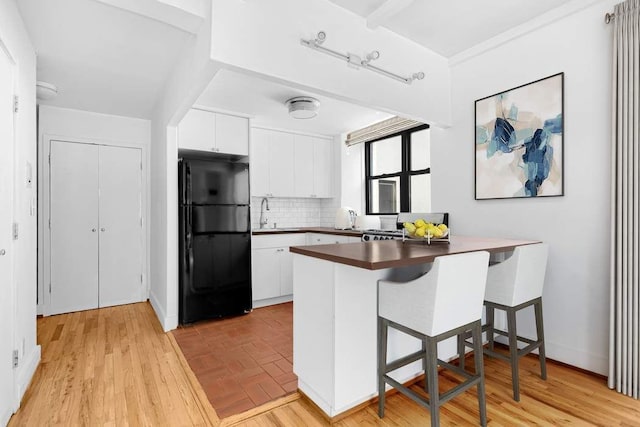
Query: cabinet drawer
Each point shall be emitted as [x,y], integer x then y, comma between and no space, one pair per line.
[277,240]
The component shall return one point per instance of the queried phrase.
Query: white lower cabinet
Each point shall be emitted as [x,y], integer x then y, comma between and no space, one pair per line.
[327,239]
[272,267]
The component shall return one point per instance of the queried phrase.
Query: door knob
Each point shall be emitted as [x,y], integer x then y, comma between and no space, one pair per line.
[93,230]
[102,229]
[2,252]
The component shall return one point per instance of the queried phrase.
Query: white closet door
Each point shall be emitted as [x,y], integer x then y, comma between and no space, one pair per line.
[7,299]
[74,227]
[120,226]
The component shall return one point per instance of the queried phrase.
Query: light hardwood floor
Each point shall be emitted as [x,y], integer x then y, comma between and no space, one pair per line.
[115,366]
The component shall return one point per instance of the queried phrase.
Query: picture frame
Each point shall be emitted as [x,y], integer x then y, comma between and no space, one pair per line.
[519,141]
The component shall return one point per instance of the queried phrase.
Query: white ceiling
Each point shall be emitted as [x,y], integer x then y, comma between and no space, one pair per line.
[101,58]
[264,101]
[449,27]
[109,60]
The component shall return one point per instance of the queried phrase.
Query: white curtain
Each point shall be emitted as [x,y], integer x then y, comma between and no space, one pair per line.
[624,337]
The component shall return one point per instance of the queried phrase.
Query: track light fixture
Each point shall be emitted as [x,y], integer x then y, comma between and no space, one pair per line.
[356,61]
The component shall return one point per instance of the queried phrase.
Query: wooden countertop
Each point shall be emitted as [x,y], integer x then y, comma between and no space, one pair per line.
[293,230]
[394,253]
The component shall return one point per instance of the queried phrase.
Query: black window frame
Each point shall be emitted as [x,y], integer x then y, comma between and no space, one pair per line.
[405,173]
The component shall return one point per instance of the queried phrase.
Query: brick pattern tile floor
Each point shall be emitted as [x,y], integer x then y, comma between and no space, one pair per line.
[242,362]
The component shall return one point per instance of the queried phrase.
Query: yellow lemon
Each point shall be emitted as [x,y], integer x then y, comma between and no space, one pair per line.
[420,232]
[420,223]
[437,232]
[443,227]
[409,227]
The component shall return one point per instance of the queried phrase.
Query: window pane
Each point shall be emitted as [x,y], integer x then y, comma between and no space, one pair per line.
[384,195]
[386,156]
[420,150]
[421,193]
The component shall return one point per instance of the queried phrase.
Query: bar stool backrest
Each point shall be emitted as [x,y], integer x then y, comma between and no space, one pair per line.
[520,278]
[450,295]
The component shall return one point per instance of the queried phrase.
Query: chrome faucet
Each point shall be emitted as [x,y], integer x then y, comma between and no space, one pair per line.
[263,220]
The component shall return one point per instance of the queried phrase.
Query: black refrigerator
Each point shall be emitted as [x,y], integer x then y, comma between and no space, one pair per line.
[215,239]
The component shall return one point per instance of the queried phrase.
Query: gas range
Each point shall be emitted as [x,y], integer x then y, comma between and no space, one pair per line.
[369,235]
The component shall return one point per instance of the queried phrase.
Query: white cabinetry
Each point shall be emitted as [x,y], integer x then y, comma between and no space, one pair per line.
[290,165]
[272,268]
[272,158]
[218,133]
[327,239]
[96,229]
[313,171]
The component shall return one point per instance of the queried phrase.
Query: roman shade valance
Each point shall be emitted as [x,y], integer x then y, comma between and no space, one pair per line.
[380,130]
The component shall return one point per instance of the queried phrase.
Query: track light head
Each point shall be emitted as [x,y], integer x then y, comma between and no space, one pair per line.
[371,56]
[417,76]
[320,38]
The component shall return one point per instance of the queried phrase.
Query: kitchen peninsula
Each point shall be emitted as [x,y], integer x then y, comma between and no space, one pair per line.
[335,311]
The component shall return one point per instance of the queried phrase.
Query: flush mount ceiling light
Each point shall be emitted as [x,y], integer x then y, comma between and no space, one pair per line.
[303,107]
[46,91]
[356,61]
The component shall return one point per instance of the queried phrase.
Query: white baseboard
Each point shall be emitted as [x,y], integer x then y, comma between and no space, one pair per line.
[168,323]
[25,373]
[272,301]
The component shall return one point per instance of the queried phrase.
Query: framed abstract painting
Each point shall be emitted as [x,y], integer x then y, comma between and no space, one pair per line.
[519,137]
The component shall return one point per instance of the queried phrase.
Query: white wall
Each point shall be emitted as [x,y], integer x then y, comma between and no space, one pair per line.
[193,71]
[575,226]
[89,127]
[15,38]
[264,37]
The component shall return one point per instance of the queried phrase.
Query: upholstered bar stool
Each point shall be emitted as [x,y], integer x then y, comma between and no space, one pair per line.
[443,303]
[513,285]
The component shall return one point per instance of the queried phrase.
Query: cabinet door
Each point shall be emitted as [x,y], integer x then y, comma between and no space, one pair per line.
[322,175]
[286,272]
[120,231]
[232,134]
[265,277]
[303,166]
[259,160]
[197,131]
[325,239]
[74,227]
[281,175]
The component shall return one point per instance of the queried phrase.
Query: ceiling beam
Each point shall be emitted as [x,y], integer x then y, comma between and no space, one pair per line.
[161,11]
[386,11]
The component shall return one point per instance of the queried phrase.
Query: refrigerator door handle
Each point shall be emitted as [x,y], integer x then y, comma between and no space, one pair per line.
[189,243]
[186,184]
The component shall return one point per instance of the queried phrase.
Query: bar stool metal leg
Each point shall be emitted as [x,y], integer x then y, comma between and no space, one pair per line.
[540,333]
[383,326]
[513,350]
[432,379]
[479,365]
[490,319]
[461,347]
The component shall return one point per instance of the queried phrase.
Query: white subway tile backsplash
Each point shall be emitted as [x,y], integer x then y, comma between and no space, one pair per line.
[294,212]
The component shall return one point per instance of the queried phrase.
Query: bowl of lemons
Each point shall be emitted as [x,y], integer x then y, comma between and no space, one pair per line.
[420,229]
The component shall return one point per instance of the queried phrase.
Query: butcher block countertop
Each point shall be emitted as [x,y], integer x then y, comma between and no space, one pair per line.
[381,254]
[322,230]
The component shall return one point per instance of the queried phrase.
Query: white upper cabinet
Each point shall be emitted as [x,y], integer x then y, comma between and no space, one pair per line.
[232,134]
[290,165]
[304,166]
[218,133]
[281,174]
[322,167]
[313,167]
[271,161]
